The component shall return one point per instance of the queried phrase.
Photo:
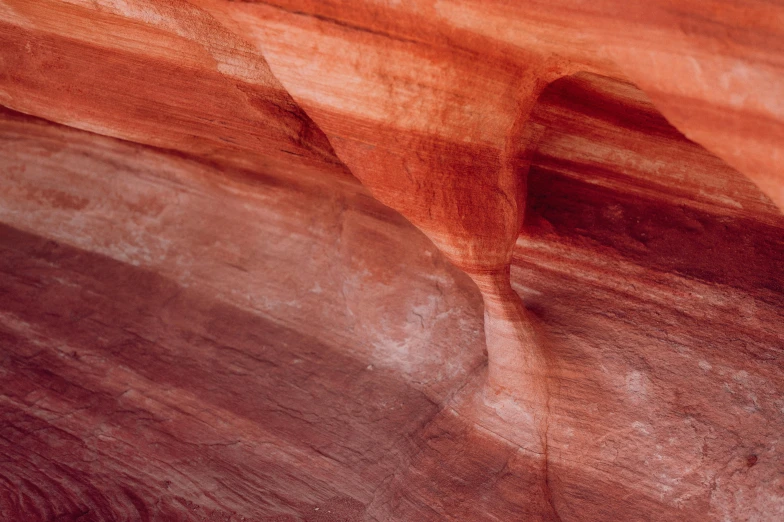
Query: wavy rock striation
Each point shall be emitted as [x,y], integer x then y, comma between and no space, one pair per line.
[206,316]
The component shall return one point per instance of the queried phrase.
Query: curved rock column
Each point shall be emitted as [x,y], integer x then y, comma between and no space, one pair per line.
[441,137]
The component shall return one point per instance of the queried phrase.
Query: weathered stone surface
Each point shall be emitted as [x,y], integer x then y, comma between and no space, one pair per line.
[205,316]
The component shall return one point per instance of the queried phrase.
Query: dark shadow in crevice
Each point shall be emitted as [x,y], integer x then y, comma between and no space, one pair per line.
[600,180]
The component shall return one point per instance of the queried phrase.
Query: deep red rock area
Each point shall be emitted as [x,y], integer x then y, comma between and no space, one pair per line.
[461,260]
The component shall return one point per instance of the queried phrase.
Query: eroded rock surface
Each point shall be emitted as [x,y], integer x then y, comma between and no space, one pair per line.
[327,261]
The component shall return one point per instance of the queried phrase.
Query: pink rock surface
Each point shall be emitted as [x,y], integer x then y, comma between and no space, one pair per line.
[399,261]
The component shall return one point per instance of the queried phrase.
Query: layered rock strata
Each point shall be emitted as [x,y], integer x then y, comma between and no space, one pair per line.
[200,268]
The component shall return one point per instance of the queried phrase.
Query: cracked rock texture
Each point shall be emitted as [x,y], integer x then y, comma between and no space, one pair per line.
[365,260]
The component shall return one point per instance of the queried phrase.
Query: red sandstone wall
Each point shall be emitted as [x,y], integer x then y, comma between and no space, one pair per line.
[205,316]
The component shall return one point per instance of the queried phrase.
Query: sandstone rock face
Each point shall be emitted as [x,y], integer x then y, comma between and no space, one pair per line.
[424,260]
